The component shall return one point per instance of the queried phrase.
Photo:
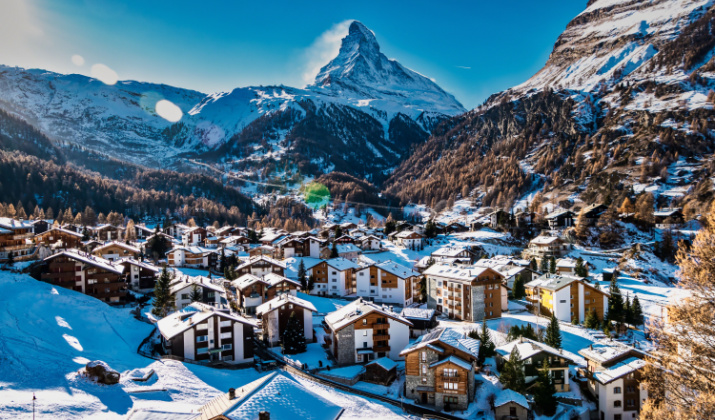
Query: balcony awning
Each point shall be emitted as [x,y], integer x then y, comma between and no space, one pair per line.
[364,351]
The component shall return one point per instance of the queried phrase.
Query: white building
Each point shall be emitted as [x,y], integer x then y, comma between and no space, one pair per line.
[211,293]
[274,316]
[387,282]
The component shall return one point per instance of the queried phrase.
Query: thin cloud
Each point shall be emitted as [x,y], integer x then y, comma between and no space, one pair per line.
[463,67]
[324,49]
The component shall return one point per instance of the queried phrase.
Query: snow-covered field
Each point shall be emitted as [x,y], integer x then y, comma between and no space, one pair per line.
[48,333]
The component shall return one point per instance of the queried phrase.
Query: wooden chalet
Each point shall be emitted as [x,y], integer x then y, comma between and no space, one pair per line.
[89,274]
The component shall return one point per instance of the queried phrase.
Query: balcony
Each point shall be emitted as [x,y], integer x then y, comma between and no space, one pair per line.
[381,337]
[22,236]
[450,378]
[381,348]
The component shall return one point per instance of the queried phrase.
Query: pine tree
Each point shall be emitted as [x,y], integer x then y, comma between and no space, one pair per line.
[591,320]
[636,312]
[293,340]
[544,266]
[628,311]
[311,283]
[195,295]
[544,391]
[334,251]
[533,265]
[518,291]
[552,265]
[512,374]
[164,300]
[615,302]
[553,333]
[486,346]
[581,268]
[302,278]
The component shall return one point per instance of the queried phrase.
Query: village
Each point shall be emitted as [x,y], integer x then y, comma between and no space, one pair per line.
[452,317]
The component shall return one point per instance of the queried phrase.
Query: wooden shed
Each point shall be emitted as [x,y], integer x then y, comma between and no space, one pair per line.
[380,371]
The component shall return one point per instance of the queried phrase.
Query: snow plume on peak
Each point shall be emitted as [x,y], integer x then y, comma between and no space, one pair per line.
[323,49]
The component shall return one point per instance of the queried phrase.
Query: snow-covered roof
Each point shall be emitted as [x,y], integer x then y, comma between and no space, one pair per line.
[620,369]
[196,250]
[553,282]
[119,244]
[200,281]
[160,414]
[89,259]
[449,251]
[506,396]
[397,269]
[603,351]
[406,233]
[545,240]
[346,248]
[65,231]
[176,323]
[529,348]
[445,337]
[666,212]
[566,263]
[453,359]
[293,263]
[356,310]
[384,362]
[557,213]
[465,273]
[12,224]
[274,279]
[341,264]
[256,259]
[281,300]
[418,313]
[142,264]
[247,280]
[277,393]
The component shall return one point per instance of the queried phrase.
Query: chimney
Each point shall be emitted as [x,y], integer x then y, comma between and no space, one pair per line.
[264,415]
[391,308]
[231,393]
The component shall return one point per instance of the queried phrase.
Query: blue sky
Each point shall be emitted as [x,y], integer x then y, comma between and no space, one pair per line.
[471,48]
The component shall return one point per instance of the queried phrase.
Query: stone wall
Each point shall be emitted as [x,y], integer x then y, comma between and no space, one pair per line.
[346,345]
[477,303]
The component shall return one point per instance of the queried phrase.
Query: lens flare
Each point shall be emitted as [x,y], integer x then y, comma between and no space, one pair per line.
[104,74]
[78,60]
[168,111]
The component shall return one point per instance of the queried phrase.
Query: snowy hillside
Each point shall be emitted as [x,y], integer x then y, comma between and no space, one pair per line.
[363,106]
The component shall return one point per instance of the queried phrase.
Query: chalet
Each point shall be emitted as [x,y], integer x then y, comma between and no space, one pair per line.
[423,320]
[454,253]
[300,247]
[230,231]
[545,246]
[206,334]
[344,239]
[566,266]
[253,290]
[593,212]
[58,238]
[499,218]
[275,394]
[523,219]
[347,226]
[511,405]
[566,297]
[362,331]
[40,225]
[508,267]
[192,256]
[273,238]
[348,251]
[211,291]
[560,219]
[380,371]
[533,354]
[668,218]
[334,277]
[212,241]
[439,369]
[293,264]
[387,282]
[357,233]
[107,232]
[370,243]
[16,239]
[140,275]
[465,292]
[194,236]
[263,250]
[409,239]
[614,372]
[456,227]
[91,275]
[261,265]
[233,241]
[142,232]
[113,251]
[275,313]
[412,227]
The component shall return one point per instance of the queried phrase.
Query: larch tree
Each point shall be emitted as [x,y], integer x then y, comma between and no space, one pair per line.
[681,380]
[130,233]
[581,230]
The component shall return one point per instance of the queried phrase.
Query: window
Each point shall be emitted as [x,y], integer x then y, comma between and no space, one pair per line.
[202,338]
[450,400]
[184,296]
[202,350]
[364,332]
[364,344]
[617,417]
[450,373]
[335,272]
[617,390]
[210,295]
[453,386]
[226,347]
[617,403]
[364,322]
[423,356]
[630,403]
[630,389]
[424,369]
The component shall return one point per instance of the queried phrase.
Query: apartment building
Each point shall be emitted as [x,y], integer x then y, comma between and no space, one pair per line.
[387,282]
[566,297]
[89,274]
[465,292]
[16,239]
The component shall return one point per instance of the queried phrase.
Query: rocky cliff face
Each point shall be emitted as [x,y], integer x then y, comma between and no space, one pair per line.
[623,105]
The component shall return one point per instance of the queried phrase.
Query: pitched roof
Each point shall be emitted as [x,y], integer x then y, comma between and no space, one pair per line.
[142,264]
[528,348]
[258,258]
[545,240]
[92,260]
[604,351]
[417,313]
[464,273]
[276,393]
[384,362]
[247,280]
[620,369]
[356,310]
[194,250]
[178,322]
[200,281]
[445,337]
[396,269]
[12,224]
[506,396]
[281,300]
[65,231]
[453,359]
[119,244]
[341,264]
